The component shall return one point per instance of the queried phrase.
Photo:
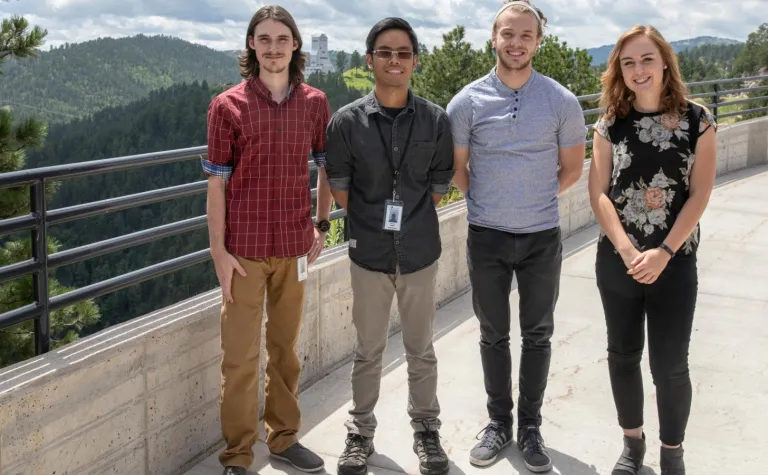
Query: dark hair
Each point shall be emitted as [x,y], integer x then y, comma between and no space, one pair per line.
[391,23]
[249,65]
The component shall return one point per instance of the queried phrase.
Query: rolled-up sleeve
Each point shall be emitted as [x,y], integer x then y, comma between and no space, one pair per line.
[338,160]
[441,169]
[221,138]
[322,118]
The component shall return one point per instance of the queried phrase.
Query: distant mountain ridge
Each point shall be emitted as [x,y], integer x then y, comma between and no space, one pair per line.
[75,80]
[601,53]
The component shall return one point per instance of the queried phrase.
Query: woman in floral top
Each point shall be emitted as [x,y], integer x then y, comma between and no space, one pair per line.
[650,180]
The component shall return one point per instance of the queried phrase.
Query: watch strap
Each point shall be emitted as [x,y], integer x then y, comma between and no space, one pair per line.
[667,249]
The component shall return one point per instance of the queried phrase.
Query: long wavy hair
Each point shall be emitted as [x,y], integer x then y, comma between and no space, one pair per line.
[616,97]
[249,64]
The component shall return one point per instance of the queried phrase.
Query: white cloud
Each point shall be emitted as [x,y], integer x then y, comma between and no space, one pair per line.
[221,24]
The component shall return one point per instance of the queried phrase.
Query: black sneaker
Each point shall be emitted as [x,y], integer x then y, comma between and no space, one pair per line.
[354,459]
[535,454]
[672,461]
[234,471]
[497,436]
[301,458]
[432,458]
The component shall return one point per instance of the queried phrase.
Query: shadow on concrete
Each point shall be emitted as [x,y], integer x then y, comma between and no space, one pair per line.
[333,392]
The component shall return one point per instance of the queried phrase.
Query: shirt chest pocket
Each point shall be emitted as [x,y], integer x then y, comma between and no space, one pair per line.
[418,158]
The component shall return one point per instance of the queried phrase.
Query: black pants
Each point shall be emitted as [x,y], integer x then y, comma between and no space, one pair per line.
[536,260]
[669,304]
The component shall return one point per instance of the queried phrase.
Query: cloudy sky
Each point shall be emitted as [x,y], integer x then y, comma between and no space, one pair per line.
[221,24]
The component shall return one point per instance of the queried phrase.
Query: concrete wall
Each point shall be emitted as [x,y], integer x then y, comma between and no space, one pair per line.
[142,397]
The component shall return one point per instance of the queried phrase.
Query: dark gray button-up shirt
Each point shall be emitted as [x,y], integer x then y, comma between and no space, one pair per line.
[356,161]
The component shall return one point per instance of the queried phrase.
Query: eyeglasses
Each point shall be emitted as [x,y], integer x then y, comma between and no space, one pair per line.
[389,54]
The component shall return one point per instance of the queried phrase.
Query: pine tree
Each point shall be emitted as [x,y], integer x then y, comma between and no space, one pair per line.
[17,342]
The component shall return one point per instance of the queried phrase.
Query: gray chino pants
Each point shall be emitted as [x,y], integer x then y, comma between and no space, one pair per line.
[373,293]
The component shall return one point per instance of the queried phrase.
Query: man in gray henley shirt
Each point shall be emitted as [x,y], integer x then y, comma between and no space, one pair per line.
[519,142]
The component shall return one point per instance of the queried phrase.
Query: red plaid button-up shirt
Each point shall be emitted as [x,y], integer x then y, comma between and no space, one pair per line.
[262,148]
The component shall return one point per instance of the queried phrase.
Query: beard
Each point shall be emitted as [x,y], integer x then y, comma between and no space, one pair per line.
[510,66]
[272,65]
[274,69]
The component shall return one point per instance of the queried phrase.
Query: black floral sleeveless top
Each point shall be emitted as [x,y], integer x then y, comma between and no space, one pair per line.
[652,158]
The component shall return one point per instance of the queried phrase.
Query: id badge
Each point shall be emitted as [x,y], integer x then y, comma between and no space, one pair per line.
[393,215]
[302,268]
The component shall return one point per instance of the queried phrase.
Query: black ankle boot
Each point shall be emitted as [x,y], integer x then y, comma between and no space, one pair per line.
[672,461]
[631,460]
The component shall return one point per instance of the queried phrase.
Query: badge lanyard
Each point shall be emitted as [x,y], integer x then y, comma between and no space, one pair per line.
[394,207]
[390,157]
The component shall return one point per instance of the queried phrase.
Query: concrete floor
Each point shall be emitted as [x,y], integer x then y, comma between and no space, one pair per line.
[729,358]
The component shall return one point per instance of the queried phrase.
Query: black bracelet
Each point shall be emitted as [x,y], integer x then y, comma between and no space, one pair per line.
[666,248]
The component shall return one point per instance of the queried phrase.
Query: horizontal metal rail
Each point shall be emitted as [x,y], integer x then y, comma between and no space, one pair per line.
[19,223]
[96,208]
[128,280]
[27,177]
[39,218]
[742,101]
[100,248]
[20,269]
[748,111]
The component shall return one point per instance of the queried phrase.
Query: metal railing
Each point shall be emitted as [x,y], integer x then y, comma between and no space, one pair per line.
[40,218]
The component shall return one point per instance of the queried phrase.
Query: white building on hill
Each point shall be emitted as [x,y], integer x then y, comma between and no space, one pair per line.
[319,61]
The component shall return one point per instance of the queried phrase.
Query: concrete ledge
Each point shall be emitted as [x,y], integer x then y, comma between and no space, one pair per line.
[142,397]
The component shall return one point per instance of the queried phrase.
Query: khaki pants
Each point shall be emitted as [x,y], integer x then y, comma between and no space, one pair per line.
[240,344]
[373,293]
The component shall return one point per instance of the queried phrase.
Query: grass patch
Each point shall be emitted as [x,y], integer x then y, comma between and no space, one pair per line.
[358,79]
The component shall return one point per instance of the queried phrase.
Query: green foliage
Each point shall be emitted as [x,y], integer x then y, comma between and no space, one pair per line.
[337,88]
[17,342]
[356,60]
[169,118]
[342,58]
[16,41]
[360,80]
[754,56]
[74,80]
[571,67]
[447,69]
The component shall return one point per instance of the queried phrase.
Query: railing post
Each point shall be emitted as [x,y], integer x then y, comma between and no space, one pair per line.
[717,101]
[40,254]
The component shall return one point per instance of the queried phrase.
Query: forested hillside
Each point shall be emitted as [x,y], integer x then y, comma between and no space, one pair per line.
[75,80]
[167,119]
[174,116]
[170,118]
[600,54]
[708,62]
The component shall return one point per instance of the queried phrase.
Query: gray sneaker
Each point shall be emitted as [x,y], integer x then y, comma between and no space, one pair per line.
[301,458]
[497,435]
[535,454]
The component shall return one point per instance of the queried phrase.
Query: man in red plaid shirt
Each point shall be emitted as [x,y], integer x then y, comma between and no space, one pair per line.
[260,136]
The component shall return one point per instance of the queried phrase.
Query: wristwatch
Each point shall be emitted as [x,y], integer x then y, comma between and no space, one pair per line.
[323,226]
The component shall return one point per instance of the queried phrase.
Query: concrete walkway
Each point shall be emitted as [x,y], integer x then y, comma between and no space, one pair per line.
[729,359]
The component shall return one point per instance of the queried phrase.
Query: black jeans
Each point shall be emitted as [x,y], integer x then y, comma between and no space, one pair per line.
[669,305]
[536,260]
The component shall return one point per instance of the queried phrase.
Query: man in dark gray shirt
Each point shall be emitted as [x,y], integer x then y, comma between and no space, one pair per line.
[389,162]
